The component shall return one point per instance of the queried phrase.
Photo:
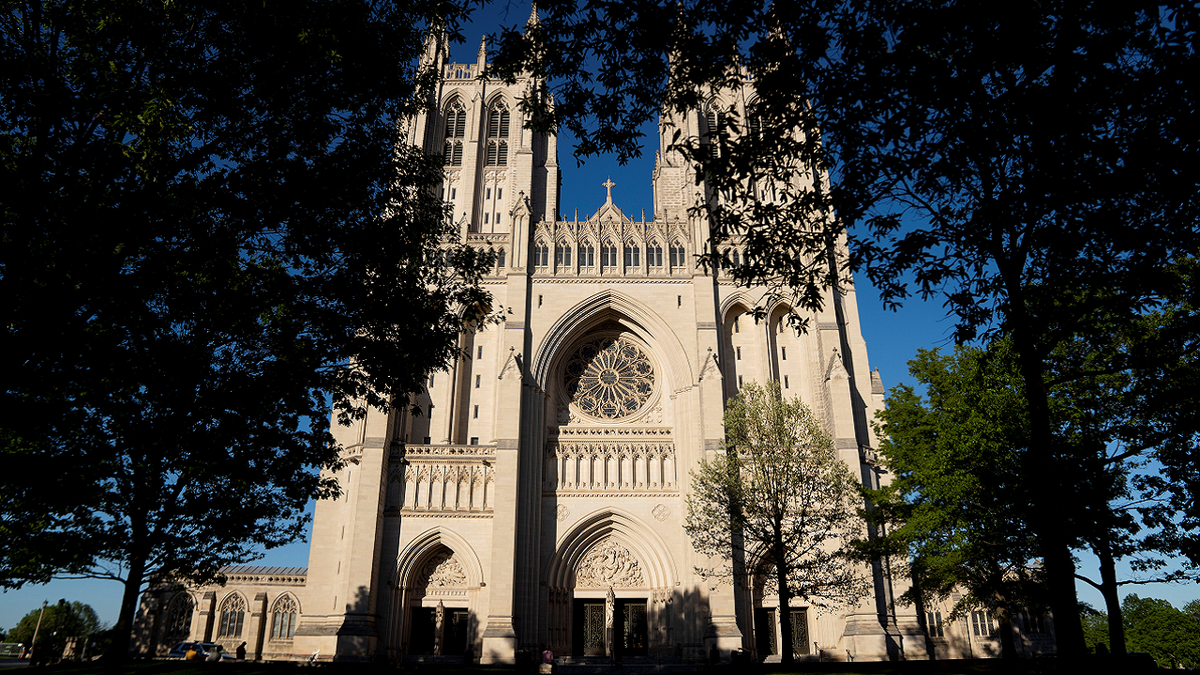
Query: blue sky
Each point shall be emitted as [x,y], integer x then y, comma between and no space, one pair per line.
[892,339]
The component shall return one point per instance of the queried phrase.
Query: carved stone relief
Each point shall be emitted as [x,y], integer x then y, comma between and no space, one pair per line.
[609,565]
[442,571]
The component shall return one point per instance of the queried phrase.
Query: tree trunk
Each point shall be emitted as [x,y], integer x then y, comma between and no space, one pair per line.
[1108,588]
[1048,493]
[786,653]
[1008,648]
[122,633]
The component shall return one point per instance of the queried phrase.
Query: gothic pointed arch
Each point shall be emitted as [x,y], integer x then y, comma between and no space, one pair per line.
[454,113]
[640,555]
[613,306]
[232,615]
[179,617]
[430,544]
[285,613]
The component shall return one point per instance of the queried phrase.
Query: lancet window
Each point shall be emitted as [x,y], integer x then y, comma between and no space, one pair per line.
[456,131]
[677,255]
[633,255]
[654,257]
[497,135]
[179,618]
[233,616]
[562,254]
[283,618]
[608,254]
[587,255]
[541,254]
[714,118]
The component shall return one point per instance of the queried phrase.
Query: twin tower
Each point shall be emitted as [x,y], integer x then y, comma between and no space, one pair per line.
[539,499]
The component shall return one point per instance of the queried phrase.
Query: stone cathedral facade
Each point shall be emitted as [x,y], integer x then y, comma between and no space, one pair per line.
[539,500]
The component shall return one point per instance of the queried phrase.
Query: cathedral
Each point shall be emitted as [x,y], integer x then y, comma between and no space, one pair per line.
[538,500]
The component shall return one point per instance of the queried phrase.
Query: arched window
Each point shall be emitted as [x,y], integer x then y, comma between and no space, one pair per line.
[283,618]
[500,256]
[587,255]
[233,615]
[497,135]
[654,254]
[179,618]
[737,261]
[714,118]
[562,254]
[633,254]
[456,131]
[677,259]
[608,254]
[541,254]
[755,128]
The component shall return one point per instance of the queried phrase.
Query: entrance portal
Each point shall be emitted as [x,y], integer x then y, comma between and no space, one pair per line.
[424,628]
[630,627]
[764,632]
[589,628]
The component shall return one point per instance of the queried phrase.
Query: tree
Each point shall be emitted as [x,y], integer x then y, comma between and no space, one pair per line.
[207,221]
[1155,626]
[61,620]
[1095,629]
[1006,159]
[781,496]
[957,505]
[960,505]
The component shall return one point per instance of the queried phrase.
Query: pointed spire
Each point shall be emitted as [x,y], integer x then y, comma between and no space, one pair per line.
[482,54]
[533,16]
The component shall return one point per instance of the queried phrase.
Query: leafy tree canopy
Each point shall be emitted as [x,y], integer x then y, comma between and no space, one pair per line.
[61,620]
[779,506]
[955,514]
[1040,154]
[1157,627]
[206,221]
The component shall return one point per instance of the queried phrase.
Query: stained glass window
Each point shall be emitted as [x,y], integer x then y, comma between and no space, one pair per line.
[609,378]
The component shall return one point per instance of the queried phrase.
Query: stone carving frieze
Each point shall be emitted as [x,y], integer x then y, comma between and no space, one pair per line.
[609,565]
[610,465]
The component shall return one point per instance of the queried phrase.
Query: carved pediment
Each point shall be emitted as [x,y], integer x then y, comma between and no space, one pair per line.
[441,573]
[609,565]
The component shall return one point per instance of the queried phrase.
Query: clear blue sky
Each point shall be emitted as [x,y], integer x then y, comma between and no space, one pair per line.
[892,339]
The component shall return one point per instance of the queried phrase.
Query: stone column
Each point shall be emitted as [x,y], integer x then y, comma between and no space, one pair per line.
[258,627]
[205,616]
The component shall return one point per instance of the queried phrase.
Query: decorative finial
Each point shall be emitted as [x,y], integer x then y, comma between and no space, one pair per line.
[609,184]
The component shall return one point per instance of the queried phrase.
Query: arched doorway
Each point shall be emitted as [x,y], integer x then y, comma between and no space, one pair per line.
[769,640]
[435,612]
[439,618]
[610,583]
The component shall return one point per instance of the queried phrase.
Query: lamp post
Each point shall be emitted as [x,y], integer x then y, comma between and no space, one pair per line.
[33,642]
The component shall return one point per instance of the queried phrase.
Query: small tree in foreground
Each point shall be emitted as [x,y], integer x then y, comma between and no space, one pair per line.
[779,494]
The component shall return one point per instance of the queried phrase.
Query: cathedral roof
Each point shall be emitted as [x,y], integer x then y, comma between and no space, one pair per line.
[262,569]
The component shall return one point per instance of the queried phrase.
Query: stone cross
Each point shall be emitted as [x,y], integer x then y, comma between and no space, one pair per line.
[609,184]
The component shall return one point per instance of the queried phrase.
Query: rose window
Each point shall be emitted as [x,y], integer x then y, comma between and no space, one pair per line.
[609,378]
